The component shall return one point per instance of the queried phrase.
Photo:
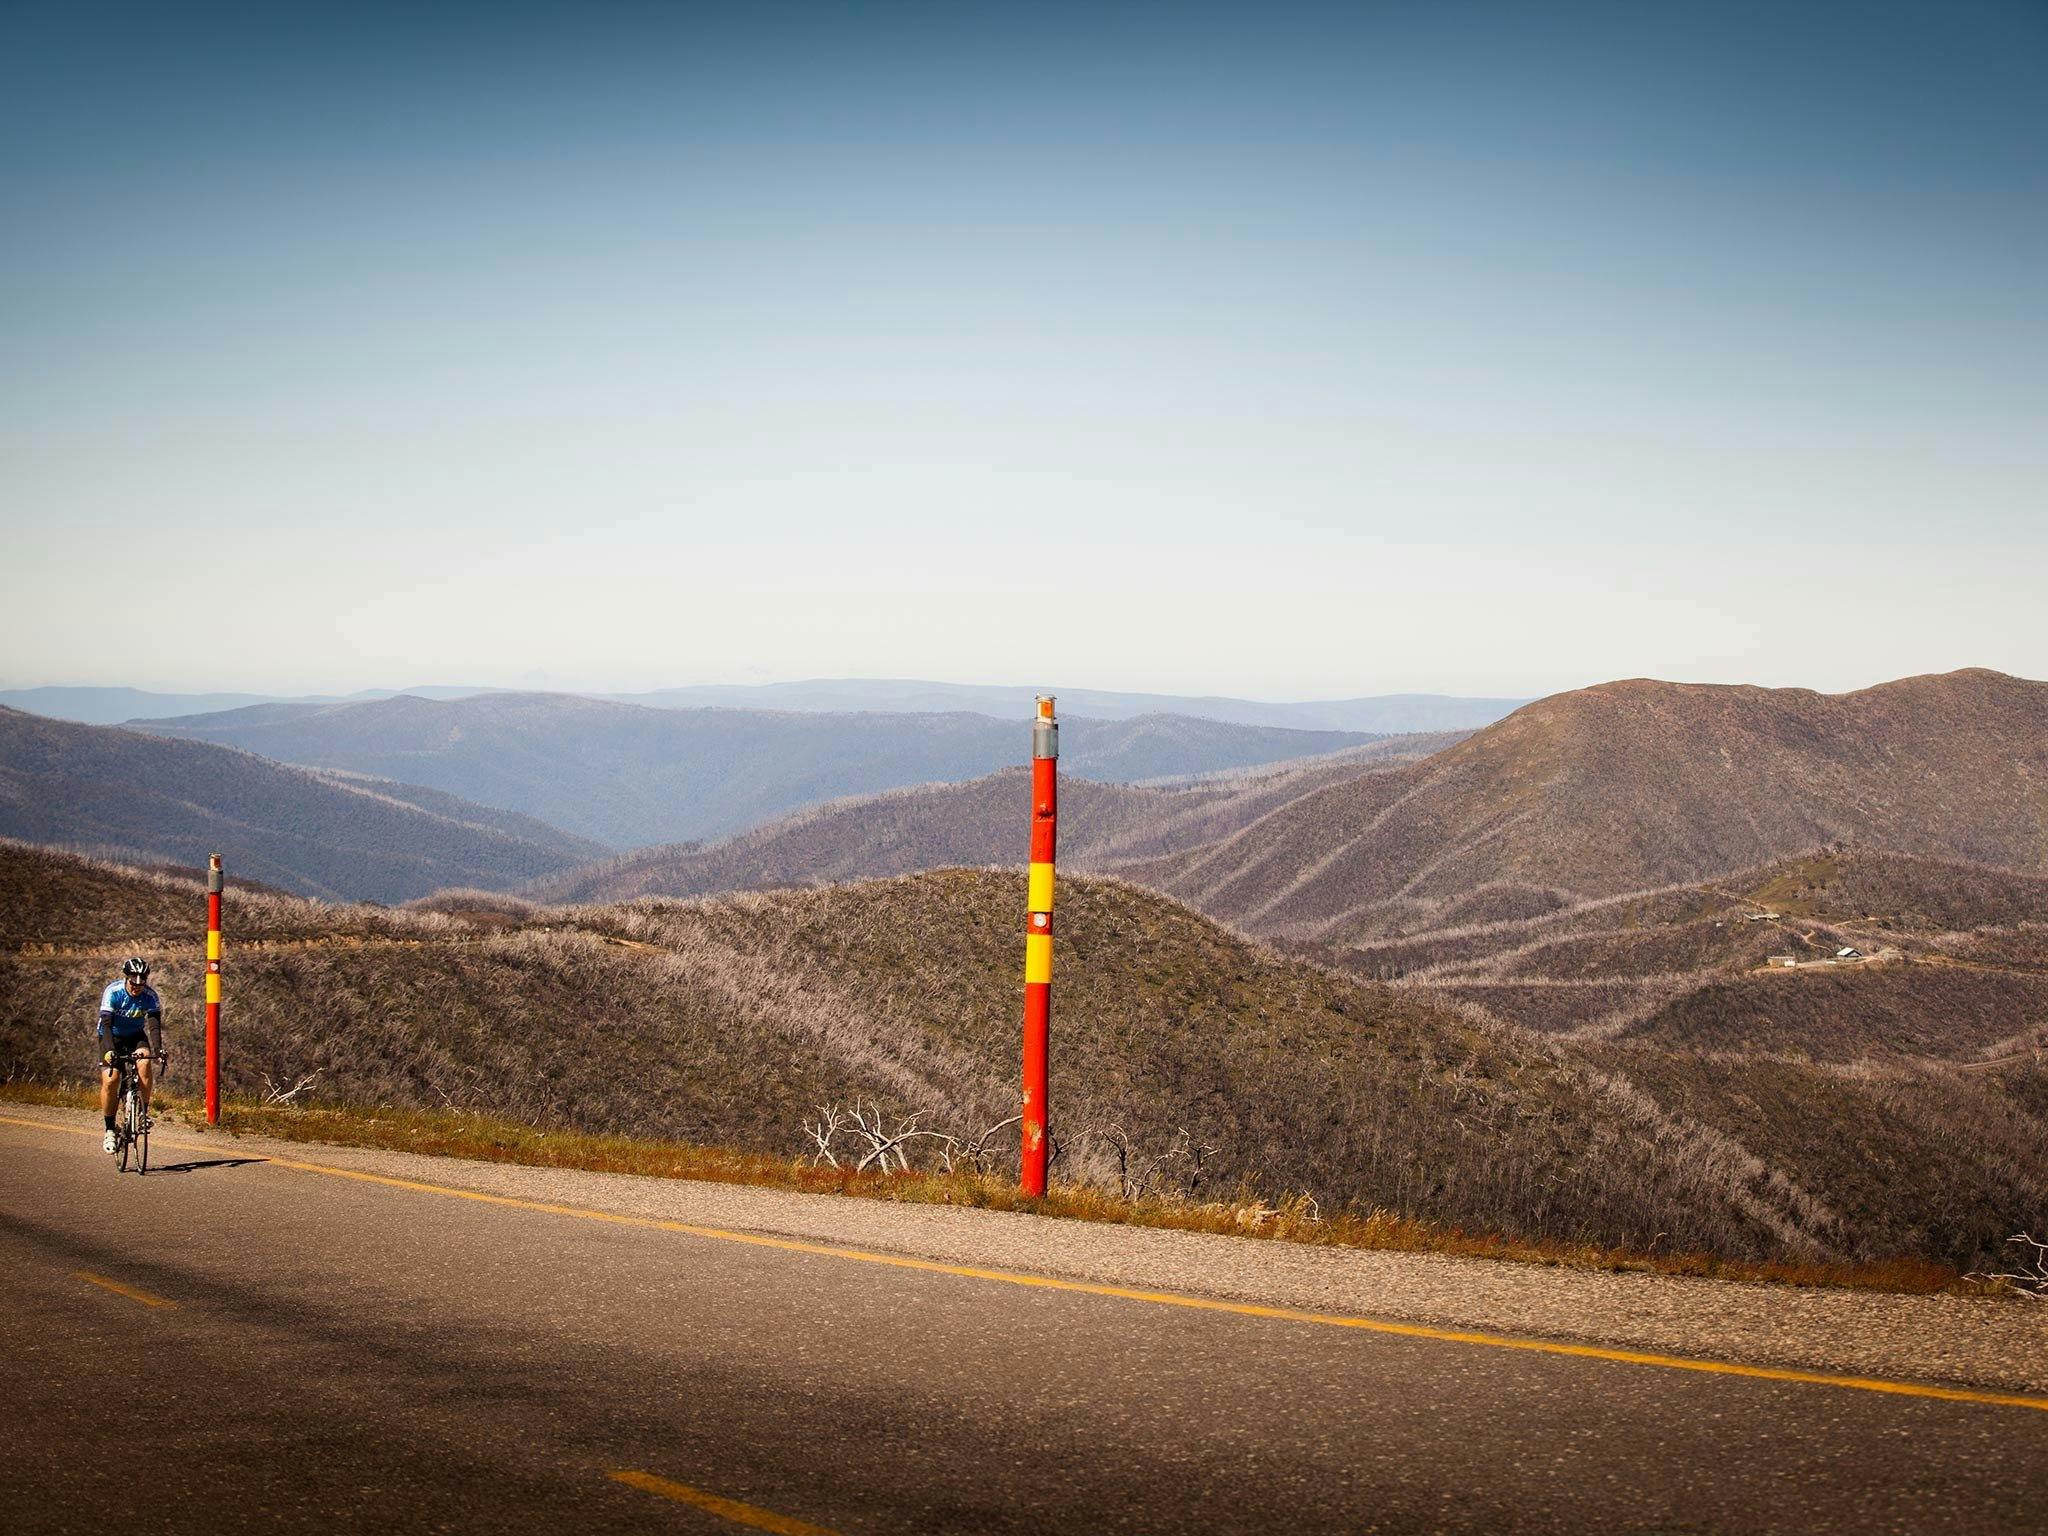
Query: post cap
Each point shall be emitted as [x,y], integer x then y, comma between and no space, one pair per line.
[1045,731]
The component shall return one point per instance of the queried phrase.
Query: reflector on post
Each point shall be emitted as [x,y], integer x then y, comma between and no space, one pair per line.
[1045,752]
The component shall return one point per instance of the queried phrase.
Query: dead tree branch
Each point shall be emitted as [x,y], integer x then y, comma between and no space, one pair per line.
[1180,1165]
[885,1144]
[272,1094]
[977,1147]
[830,1118]
[880,1145]
[2031,1277]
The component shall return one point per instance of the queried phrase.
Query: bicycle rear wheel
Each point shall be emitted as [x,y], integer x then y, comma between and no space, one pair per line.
[126,1134]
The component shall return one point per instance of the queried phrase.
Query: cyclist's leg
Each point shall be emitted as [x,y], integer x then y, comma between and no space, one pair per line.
[110,1094]
[145,1074]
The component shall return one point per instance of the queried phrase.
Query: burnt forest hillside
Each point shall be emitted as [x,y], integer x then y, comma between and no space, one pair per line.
[984,821]
[1635,785]
[730,1021]
[1844,955]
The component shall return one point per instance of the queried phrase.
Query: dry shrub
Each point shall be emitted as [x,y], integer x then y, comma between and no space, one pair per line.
[724,1023]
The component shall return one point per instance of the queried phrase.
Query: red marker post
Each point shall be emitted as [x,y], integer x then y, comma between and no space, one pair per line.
[213,890]
[1045,753]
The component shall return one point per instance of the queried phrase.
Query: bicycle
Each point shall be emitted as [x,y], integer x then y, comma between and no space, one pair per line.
[131,1120]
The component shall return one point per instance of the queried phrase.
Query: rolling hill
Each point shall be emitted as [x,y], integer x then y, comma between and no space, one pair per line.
[1947,961]
[731,1021]
[98,788]
[1635,785]
[983,821]
[629,776]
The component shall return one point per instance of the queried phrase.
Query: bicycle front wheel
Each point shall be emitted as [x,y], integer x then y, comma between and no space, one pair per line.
[126,1134]
[141,1136]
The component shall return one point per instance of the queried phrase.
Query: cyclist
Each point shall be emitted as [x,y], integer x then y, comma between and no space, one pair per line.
[127,1008]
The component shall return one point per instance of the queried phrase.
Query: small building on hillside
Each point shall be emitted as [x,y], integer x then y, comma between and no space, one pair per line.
[1784,960]
[1848,954]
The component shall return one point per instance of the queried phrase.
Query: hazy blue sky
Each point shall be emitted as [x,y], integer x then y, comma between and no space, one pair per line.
[1281,350]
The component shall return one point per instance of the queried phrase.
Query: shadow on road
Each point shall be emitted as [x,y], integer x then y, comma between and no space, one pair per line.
[217,1162]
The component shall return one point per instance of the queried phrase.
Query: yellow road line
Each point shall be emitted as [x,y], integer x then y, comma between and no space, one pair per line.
[731,1509]
[121,1290]
[1163,1298]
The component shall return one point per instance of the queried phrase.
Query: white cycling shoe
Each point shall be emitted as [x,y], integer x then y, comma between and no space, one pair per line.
[108,1144]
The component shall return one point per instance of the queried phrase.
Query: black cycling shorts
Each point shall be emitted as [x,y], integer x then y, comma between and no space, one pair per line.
[121,1048]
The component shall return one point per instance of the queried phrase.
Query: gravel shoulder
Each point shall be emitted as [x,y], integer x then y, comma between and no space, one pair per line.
[1999,1343]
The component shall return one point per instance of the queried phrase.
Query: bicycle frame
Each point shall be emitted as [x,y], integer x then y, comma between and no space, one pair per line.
[131,1120]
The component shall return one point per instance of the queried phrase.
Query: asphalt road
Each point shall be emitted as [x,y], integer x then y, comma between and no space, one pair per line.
[293,1350]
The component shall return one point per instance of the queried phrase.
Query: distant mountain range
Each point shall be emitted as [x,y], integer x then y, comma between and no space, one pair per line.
[627,775]
[1584,796]
[1344,841]
[112,706]
[1387,714]
[102,790]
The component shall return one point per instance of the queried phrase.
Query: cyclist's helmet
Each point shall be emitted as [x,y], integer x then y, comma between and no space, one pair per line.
[136,967]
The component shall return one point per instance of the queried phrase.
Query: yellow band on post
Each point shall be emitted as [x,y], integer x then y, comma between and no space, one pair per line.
[1037,957]
[213,987]
[1038,893]
[213,943]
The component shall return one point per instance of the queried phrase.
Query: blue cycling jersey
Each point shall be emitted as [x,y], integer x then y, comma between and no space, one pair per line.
[126,1014]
